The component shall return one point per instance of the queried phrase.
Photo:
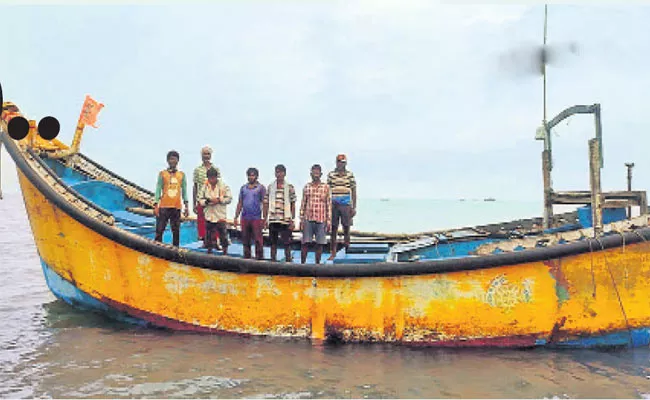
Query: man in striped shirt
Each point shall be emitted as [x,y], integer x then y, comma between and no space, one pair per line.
[280,212]
[344,201]
[315,214]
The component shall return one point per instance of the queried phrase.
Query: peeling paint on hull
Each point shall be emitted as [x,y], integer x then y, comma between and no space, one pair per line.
[70,294]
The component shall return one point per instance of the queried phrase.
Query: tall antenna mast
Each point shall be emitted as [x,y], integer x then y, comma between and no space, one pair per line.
[546,136]
[544,56]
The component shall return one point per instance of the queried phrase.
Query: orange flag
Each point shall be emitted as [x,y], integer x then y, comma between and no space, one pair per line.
[89,111]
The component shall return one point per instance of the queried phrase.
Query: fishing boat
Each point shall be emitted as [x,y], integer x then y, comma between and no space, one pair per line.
[578,279]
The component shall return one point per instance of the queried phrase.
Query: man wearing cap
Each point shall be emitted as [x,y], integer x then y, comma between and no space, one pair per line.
[171,195]
[200,176]
[344,201]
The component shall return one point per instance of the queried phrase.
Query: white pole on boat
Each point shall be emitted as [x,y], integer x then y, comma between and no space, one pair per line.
[629,186]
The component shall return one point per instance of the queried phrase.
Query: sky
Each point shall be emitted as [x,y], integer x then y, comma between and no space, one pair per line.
[416,93]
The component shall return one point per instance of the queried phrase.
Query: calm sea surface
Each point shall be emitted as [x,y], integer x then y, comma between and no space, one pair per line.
[48,349]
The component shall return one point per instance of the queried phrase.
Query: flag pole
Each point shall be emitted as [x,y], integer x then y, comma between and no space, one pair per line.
[88,115]
[78,133]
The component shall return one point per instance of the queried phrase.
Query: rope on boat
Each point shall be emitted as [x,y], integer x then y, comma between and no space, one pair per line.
[620,302]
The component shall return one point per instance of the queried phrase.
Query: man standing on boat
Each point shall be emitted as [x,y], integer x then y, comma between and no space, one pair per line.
[215,197]
[171,189]
[344,201]
[280,212]
[251,197]
[315,213]
[200,176]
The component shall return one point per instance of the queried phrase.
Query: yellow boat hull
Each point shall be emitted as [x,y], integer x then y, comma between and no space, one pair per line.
[560,300]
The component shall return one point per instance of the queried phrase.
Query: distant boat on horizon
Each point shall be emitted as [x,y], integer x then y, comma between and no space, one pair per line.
[384,199]
[489,199]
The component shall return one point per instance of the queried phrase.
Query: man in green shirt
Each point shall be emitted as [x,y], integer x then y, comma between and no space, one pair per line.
[200,177]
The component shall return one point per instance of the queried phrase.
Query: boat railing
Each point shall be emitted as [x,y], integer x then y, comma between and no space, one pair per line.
[558,238]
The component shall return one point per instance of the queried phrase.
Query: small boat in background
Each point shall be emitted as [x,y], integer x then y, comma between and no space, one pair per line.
[489,199]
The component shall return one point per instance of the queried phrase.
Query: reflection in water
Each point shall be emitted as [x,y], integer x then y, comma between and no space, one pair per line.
[48,349]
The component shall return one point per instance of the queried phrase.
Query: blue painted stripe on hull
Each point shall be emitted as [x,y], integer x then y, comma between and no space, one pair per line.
[67,292]
[639,337]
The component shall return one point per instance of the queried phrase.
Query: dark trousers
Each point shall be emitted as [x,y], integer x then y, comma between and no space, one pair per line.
[251,231]
[210,229]
[282,230]
[277,229]
[173,216]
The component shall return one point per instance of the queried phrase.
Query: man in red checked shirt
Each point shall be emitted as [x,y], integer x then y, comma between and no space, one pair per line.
[315,213]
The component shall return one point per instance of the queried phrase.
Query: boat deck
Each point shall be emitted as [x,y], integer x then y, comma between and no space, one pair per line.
[131,208]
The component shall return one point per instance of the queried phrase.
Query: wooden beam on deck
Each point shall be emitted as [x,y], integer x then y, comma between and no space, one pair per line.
[637,197]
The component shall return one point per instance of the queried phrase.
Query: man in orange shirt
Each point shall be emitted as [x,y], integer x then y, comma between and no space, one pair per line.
[171,189]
